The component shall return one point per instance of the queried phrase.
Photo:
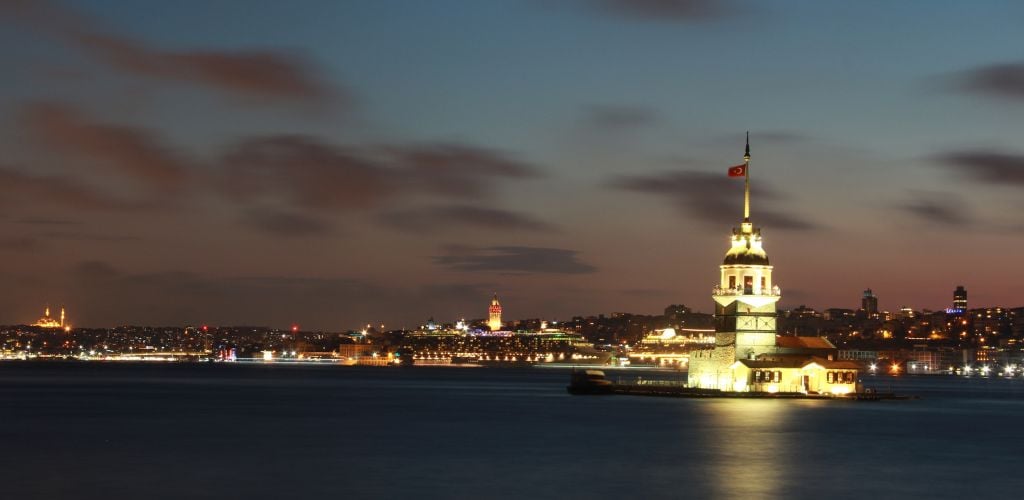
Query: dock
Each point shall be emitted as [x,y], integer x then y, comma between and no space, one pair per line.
[679,389]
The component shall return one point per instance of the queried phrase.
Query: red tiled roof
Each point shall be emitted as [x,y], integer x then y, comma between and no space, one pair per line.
[836,365]
[797,361]
[791,342]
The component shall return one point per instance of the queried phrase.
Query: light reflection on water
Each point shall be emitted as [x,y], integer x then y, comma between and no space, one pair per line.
[227,432]
[746,449]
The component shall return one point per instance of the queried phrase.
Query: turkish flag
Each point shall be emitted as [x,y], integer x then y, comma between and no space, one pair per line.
[738,171]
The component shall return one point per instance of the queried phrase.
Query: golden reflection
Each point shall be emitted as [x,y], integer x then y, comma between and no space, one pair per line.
[749,447]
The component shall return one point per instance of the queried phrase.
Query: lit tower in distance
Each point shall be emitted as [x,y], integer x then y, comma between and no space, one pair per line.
[869,303]
[960,299]
[745,297]
[494,314]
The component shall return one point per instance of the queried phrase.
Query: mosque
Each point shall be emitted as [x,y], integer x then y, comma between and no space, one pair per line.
[50,322]
[748,355]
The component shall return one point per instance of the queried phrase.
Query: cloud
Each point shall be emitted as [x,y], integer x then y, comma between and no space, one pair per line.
[434,218]
[19,244]
[129,151]
[513,259]
[994,80]
[285,223]
[986,167]
[456,169]
[60,191]
[257,73]
[43,221]
[620,117]
[304,173]
[87,236]
[712,198]
[664,10]
[252,72]
[940,208]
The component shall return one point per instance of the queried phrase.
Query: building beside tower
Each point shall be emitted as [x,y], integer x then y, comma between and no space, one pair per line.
[494,314]
[748,354]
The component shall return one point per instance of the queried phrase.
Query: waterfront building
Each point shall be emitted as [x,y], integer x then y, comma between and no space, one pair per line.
[670,346]
[748,354]
[498,343]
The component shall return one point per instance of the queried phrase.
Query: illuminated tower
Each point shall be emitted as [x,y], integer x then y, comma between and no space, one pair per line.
[62,317]
[960,299]
[869,303]
[494,314]
[745,296]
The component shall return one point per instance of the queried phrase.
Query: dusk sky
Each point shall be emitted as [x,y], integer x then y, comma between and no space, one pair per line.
[337,163]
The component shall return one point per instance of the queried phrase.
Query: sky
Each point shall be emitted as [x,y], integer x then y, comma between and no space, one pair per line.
[332,164]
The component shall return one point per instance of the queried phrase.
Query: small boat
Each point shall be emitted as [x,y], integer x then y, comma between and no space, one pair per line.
[589,382]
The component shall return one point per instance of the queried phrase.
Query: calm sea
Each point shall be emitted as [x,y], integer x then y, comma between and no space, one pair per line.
[223,431]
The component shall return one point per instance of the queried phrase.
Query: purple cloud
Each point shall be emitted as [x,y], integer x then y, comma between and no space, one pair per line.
[513,259]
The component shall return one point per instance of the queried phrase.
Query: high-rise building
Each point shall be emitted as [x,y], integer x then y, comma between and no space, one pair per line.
[494,314]
[960,299]
[869,303]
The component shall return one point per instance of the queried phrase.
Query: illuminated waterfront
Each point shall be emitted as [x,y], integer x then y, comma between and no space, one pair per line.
[267,431]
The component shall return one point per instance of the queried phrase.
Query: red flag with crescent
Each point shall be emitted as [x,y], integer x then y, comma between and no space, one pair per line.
[738,171]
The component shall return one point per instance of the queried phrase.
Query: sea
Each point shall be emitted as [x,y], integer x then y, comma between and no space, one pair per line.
[93,430]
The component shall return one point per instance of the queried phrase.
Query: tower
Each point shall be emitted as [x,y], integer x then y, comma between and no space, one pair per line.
[869,303]
[960,299]
[62,317]
[494,314]
[745,296]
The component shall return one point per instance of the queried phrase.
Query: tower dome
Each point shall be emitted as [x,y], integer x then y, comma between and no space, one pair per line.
[746,248]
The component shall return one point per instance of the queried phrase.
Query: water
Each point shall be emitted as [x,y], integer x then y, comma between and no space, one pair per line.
[229,431]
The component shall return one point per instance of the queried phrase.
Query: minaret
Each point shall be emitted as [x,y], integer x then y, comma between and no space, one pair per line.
[494,314]
[745,297]
[62,317]
[46,314]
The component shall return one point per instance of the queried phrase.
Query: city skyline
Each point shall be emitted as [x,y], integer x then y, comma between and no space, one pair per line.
[333,165]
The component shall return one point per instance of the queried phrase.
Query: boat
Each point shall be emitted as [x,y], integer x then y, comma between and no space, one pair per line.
[589,382]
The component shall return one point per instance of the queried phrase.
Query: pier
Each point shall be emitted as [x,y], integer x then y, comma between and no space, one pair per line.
[679,389]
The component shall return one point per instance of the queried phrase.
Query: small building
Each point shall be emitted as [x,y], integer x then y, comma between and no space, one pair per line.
[812,375]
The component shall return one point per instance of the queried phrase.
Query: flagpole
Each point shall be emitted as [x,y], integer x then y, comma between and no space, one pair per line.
[746,182]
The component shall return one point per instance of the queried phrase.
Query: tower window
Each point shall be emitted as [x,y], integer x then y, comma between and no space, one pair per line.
[732,282]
